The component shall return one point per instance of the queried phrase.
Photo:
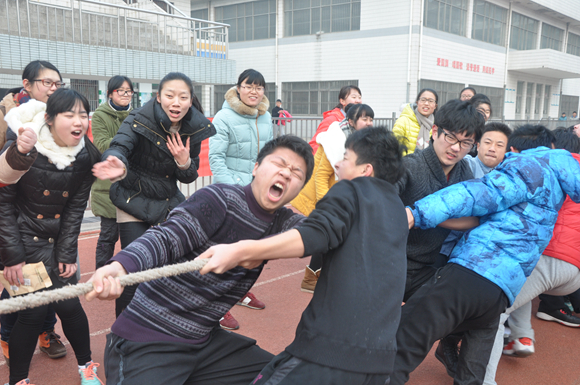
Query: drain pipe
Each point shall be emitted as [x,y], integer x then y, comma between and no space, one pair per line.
[409,53]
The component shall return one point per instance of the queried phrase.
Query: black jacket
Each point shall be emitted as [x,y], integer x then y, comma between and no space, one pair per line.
[424,176]
[41,215]
[352,320]
[149,191]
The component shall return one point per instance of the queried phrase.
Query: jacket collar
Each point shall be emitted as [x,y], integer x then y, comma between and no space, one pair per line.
[233,100]
[455,175]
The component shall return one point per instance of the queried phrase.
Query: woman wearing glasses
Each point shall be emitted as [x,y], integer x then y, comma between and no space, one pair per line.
[243,126]
[413,128]
[106,122]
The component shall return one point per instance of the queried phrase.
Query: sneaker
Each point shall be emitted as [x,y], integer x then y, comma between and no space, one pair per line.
[89,374]
[310,279]
[447,353]
[522,347]
[252,302]
[562,316]
[51,345]
[26,381]
[5,351]
[229,322]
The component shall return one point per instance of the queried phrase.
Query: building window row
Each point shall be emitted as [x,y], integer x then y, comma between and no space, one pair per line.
[312,98]
[249,21]
[309,17]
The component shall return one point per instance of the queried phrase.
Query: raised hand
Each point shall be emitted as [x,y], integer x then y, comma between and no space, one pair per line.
[26,140]
[109,169]
[177,149]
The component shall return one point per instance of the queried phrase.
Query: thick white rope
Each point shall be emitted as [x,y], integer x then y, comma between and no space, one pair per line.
[48,296]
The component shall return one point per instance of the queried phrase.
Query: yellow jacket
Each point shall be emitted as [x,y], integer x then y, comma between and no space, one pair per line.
[407,128]
[323,178]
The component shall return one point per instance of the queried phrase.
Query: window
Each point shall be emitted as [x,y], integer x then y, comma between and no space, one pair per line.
[489,23]
[519,96]
[89,89]
[573,44]
[524,32]
[312,98]
[538,105]
[249,21]
[446,15]
[308,17]
[568,104]
[496,95]
[445,90]
[547,98]
[202,14]
[529,94]
[551,37]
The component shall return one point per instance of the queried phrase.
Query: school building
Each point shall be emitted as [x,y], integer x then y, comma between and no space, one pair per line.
[523,54]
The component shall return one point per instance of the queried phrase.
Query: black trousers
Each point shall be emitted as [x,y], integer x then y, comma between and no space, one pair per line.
[285,369]
[416,279]
[455,300]
[129,231]
[29,325]
[550,303]
[108,237]
[226,358]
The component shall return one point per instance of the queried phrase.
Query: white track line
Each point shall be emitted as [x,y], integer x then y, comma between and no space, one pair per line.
[279,278]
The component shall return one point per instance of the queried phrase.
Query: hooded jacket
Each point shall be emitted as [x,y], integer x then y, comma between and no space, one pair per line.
[149,190]
[407,128]
[328,117]
[241,131]
[41,215]
[105,125]
[518,205]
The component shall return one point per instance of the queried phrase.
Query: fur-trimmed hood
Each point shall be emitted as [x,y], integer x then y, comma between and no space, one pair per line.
[238,106]
[31,114]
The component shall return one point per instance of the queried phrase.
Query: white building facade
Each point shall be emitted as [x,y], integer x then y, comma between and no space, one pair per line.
[523,54]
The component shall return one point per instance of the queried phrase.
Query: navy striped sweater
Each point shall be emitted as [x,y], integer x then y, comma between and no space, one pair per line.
[187,307]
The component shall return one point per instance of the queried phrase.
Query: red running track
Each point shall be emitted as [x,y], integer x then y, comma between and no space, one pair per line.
[555,362]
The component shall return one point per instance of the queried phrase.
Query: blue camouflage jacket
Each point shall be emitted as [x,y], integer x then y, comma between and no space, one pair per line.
[518,205]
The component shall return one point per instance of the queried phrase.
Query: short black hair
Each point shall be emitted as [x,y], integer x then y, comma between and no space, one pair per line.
[480,99]
[566,140]
[344,92]
[184,78]
[459,117]
[497,126]
[531,136]
[293,143]
[356,111]
[379,147]
[32,71]
[64,100]
[116,82]
[251,76]
[278,100]
[427,90]
[470,89]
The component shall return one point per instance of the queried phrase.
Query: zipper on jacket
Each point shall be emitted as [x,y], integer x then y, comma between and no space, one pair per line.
[258,131]
[139,192]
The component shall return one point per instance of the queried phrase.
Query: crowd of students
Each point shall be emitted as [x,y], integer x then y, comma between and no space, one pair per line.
[462,221]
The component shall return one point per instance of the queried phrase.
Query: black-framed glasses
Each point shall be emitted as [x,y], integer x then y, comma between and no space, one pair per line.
[124,92]
[451,139]
[49,83]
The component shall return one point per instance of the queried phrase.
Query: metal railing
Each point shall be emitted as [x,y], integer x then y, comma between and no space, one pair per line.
[105,24]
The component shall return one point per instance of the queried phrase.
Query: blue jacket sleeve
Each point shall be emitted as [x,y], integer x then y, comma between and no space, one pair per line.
[495,192]
[218,147]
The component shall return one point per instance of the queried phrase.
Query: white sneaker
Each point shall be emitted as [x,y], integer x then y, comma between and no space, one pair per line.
[522,347]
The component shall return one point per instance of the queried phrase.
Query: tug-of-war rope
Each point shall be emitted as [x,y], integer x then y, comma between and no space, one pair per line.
[46,297]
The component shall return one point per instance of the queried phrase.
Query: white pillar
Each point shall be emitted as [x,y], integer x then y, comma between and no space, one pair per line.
[145,92]
[102,91]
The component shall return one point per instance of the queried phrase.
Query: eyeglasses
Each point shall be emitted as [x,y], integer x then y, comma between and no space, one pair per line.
[124,92]
[451,139]
[49,83]
[254,88]
[427,101]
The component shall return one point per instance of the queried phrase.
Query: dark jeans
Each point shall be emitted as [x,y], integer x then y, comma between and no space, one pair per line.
[128,231]
[7,321]
[286,369]
[550,303]
[225,358]
[107,240]
[455,300]
[29,324]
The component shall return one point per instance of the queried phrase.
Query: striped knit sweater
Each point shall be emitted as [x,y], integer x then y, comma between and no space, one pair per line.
[187,307]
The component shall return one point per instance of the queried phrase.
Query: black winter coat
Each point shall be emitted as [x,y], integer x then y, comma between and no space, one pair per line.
[41,215]
[149,191]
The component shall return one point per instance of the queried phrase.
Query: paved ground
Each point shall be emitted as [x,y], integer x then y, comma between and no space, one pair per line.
[556,360]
